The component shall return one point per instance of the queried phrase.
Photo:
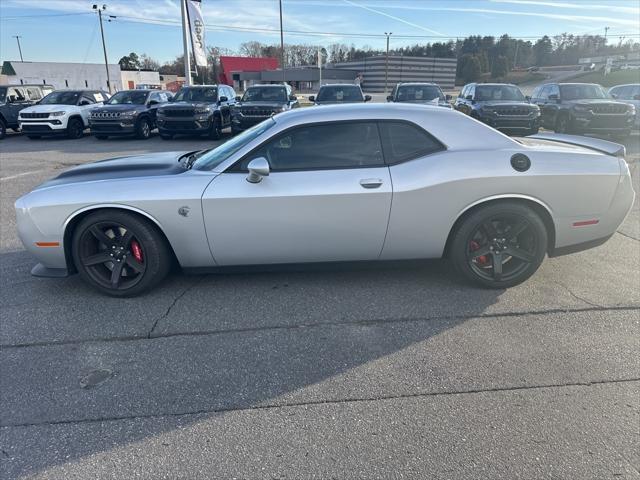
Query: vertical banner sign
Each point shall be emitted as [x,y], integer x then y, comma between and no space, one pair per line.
[196,26]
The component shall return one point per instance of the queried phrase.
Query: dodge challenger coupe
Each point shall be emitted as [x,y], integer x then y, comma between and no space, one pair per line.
[339,183]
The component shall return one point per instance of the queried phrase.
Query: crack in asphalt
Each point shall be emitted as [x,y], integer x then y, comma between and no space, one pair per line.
[170,307]
[275,406]
[379,321]
[578,297]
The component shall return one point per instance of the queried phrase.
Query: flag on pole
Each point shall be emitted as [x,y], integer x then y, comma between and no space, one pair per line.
[196,27]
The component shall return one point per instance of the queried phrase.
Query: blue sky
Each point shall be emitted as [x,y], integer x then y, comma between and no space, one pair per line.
[67,30]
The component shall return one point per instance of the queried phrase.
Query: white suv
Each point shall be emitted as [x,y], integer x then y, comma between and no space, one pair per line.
[61,112]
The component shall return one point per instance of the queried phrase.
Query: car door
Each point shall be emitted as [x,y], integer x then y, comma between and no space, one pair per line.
[552,105]
[16,101]
[327,198]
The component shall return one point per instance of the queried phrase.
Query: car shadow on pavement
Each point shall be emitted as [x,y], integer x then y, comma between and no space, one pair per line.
[219,343]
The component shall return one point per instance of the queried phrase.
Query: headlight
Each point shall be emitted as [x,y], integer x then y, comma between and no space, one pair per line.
[57,114]
[581,108]
[536,112]
[631,110]
[201,111]
[128,114]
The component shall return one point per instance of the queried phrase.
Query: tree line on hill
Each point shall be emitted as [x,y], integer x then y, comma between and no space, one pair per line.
[477,55]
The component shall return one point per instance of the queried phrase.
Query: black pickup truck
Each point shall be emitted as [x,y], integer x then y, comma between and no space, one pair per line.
[260,102]
[197,110]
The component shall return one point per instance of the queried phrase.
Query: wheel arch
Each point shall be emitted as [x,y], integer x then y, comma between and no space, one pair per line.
[77,116]
[76,217]
[541,208]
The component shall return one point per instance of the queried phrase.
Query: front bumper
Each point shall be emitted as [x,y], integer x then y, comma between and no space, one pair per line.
[594,123]
[511,122]
[244,122]
[43,127]
[112,128]
[184,124]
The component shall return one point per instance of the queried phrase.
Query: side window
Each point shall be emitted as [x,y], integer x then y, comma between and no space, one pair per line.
[86,99]
[232,93]
[536,93]
[329,146]
[16,95]
[405,141]
[155,97]
[553,90]
[34,93]
[471,91]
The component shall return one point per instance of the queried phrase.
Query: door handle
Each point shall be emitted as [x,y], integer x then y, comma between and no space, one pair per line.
[371,182]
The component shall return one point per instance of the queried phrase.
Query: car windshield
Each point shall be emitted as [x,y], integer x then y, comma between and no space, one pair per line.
[265,94]
[419,93]
[580,91]
[197,95]
[128,97]
[486,93]
[3,94]
[215,157]
[340,94]
[61,98]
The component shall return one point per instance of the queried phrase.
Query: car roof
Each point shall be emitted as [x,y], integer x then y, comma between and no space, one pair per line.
[411,84]
[626,85]
[578,83]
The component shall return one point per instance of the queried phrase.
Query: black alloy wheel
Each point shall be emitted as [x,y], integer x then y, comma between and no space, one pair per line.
[143,128]
[216,128]
[500,245]
[119,253]
[75,128]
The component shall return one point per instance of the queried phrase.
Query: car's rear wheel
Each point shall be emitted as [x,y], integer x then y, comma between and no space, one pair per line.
[216,128]
[119,253]
[143,128]
[75,128]
[500,245]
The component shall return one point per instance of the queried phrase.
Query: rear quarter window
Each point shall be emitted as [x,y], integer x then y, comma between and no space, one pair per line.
[404,141]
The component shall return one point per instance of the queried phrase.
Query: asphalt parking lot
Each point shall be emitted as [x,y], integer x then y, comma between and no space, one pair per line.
[390,371]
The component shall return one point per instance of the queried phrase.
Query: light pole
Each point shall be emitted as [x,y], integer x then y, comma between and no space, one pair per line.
[386,67]
[17,37]
[282,45]
[606,29]
[104,47]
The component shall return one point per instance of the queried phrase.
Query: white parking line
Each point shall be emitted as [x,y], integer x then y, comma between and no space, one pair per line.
[11,177]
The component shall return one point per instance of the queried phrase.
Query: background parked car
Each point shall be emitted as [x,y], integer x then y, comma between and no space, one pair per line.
[197,110]
[629,94]
[339,93]
[500,105]
[582,108]
[61,112]
[427,93]
[260,102]
[129,112]
[14,98]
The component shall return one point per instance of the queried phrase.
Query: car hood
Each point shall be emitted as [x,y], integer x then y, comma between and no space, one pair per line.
[505,103]
[48,108]
[149,165]
[176,105]
[118,108]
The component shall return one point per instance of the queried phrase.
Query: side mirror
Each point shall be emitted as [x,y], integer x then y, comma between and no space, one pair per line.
[312,98]
[223,99]
[389,98]
[258,168]
[554,98]
[238,98]
[614,95]
[153,102]
[448,98]
[469,97]
[528,98]
[84,103]
[293,98]
[367,98]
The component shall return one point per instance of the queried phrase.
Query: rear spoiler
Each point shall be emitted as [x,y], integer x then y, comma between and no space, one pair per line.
[603,146]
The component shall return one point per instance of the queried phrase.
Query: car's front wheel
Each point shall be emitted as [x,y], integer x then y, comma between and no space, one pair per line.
[216,128]
[143,128]
[75,128]
[499,245]
[120,253]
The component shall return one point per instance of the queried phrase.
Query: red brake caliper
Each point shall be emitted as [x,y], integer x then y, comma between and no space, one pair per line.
[482,259]
[136,250]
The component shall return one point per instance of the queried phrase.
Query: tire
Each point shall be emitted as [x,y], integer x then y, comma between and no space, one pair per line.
[533,131]
[215,133]
[3,129]
[101,137]
[143,257]
[34,137]
[482,240]
[75,128]
[143,128]
[563,125]
[166,136]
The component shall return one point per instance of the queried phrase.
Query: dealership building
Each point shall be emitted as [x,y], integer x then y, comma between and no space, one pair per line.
[403,69]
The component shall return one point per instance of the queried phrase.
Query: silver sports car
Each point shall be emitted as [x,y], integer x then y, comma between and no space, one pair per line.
[339,183]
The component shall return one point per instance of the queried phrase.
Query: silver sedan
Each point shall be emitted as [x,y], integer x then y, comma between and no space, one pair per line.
[339,183]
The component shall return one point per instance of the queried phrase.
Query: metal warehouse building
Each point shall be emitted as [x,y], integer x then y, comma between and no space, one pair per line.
[63,75]
[404,69]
